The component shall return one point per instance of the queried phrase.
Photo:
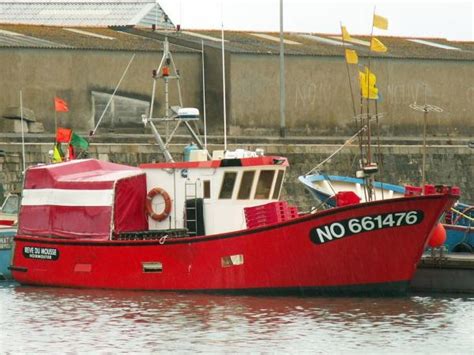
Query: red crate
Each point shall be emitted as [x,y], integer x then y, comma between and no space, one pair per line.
[456,190]
[442,189]
[293,211]
[346,198]
[413,190]
[273,212]
[430,189]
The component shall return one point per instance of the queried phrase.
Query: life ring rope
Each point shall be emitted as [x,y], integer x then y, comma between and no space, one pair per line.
[149,208]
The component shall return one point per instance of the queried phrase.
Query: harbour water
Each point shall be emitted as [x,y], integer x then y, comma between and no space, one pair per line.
[55,320]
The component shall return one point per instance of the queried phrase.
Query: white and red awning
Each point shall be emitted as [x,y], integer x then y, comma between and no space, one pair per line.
[83,199]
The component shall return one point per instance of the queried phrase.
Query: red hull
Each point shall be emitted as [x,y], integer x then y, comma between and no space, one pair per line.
[289,256]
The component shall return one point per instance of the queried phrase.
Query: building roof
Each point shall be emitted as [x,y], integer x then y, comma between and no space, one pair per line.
[100,13]
[331,45]
[145,39]
[99,38]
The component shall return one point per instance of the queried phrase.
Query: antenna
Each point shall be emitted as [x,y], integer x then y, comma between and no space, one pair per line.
[204,94]
[425,109]
[282,77]
[167,71]
[223,79]
[22,132]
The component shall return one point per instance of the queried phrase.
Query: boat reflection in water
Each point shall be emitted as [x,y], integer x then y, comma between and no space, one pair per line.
[106,320]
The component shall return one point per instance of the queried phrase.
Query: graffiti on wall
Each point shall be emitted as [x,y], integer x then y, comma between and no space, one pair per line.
[407,93]
[312,94]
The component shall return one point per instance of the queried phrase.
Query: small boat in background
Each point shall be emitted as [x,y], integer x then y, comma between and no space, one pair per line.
[335,190]
[6,247]
[9,210]
[8,221]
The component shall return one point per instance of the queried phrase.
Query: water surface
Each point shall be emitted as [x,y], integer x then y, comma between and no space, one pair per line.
[55,320]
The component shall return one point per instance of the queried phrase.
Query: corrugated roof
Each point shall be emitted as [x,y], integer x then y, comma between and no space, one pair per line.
[100,13]
[141,39]
[94,38]
[243,42]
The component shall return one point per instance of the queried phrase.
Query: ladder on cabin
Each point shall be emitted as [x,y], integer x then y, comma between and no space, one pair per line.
[191,210]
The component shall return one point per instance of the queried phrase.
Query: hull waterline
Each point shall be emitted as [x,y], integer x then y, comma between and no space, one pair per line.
[369,248]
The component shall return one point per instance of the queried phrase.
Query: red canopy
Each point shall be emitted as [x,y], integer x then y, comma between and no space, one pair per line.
[83,199]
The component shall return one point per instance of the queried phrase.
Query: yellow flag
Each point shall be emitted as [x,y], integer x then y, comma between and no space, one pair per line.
[377,46]
[57,158]
[367,82]
[380,22]
[345,35]
[351,56]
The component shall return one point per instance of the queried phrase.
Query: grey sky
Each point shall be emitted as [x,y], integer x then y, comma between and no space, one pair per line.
[453,20]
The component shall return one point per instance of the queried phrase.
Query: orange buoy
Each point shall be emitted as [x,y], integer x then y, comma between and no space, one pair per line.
[438,237]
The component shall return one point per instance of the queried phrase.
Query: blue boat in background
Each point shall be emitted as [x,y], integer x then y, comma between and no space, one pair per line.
[328,189]
[8,221]
[6,248]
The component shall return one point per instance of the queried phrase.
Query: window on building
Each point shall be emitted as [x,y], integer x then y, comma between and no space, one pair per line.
[264,184]
[246,185]
[228,185]
[276,191]
[206,193]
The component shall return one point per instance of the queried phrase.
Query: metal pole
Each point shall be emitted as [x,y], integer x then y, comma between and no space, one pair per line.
[22,132]
[282,77]
[423,165]
[223,84]
[349,76]
[204,94]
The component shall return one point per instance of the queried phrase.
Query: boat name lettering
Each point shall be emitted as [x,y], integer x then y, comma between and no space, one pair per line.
[6,242]
[352,226]
[40,253]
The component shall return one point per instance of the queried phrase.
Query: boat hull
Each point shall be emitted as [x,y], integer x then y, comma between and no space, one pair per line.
[6,246]
[459,237]
[318,253]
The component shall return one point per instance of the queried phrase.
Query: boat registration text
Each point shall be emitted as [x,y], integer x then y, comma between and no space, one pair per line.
[40,253]
[6,243]
[352,226]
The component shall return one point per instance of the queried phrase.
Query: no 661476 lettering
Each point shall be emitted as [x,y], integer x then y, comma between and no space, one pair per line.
[347,227]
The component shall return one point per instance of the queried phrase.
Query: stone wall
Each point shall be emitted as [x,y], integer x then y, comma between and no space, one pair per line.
[318,100]
[73,75]
[446,164]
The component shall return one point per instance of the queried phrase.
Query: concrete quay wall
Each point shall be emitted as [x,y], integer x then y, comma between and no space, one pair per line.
[446,164]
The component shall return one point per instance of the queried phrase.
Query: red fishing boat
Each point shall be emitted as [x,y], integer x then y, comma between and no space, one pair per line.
[209,224]
[88,223]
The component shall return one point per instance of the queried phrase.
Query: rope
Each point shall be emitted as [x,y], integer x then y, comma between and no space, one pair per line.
[349,141]
[463,215]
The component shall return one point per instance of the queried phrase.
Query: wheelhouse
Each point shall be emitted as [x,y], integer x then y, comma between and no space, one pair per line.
[209,197]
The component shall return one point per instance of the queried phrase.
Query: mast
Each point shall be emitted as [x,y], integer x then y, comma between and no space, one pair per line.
[282,77]
[223,79]
[167,71]
[425,109]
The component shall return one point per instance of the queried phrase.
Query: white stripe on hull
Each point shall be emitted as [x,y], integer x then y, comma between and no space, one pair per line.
[62,197]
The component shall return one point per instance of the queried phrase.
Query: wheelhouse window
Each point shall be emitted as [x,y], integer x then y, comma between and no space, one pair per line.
[264,184]
[276,191]
[206,193]
[246,185]
[228,185]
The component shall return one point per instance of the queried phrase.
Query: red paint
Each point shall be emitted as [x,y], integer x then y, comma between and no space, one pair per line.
[278,256]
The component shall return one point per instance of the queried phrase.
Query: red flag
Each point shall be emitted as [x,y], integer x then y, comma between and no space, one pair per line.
[71,152]
[63,135]
[60,105]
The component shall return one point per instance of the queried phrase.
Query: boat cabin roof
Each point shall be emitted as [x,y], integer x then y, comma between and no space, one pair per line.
[244,162]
